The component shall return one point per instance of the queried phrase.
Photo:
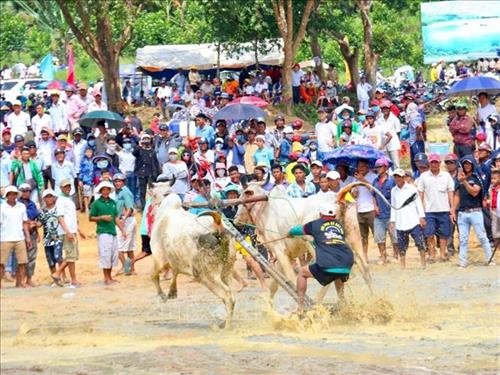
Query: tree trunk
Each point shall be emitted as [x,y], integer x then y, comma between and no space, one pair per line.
[371,58]
[352,61]
[256,52]
[286,79]
[218,59]
[316,51]
[111,73]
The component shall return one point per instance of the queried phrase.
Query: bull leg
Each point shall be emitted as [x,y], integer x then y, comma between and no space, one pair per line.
[221,290]
[155,277]
[172,292]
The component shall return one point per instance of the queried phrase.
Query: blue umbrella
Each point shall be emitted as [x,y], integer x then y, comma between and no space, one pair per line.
[239,112]
[114,120]
[473,86]
[349,155]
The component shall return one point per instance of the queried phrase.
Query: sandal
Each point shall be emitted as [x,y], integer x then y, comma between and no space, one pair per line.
[57,281]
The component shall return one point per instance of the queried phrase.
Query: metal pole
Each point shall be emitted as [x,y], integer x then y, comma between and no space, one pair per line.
[221,203]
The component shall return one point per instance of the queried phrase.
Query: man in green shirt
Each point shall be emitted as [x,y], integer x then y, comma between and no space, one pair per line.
[105,213]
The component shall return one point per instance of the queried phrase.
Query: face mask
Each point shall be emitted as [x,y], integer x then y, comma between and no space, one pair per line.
[376,108]
[172,157]
[127,146]
[313,147]
[345,117]
[91,142]
[218,147]
[289,136]
[101,164]
[220,172]
[362,118]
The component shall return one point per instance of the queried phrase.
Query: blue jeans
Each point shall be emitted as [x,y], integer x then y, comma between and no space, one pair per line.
[465,221]
[132,185]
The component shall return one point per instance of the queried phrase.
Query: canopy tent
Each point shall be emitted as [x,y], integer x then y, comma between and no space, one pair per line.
[203,57]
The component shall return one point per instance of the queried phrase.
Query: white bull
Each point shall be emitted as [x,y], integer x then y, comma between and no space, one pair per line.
[194,246]
[274,218]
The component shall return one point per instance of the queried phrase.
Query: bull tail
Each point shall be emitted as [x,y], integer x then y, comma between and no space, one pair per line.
[346,189]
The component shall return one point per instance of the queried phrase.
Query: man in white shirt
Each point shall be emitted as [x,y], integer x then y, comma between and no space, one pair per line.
[484,110]
[46,146]
[260,85]
[365,204]
[363,92]
[436,189]
[297,75]
[326,132]
[372,134]
[407,220]
[14,234]
[390,126]
[18,121]
[39,121]
[78,144]
[57,113]
[97,104]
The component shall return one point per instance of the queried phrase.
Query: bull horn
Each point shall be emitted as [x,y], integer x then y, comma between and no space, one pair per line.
[214,214]
[346,189]
[266,181]
[341,194]
[244,182]
[172,181]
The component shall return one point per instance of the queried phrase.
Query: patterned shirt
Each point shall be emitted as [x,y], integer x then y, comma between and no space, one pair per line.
[50,221]
[295,191]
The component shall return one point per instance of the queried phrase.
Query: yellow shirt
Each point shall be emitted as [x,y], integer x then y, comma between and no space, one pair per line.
[288,172]
[250,149]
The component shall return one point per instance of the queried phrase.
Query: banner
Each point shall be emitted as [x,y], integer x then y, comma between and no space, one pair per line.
[460,30]
[47,67]
[71,66]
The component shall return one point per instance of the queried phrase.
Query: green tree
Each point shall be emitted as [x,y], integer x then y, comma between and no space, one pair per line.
[12,32]
[103,28]
[37,43]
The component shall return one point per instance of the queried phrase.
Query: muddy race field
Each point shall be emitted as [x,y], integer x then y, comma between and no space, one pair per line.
[440,320]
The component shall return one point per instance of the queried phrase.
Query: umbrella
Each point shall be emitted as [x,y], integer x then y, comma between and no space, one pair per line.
[239,112]
[56,85]
[114,120]
[352,153]
[473,86]
[252,100]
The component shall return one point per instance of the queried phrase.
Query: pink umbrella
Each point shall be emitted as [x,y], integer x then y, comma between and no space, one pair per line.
[57,85]
[252,100]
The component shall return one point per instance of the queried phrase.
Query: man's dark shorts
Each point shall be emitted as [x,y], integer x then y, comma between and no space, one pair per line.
[438,223]
[325,278]
[146,246]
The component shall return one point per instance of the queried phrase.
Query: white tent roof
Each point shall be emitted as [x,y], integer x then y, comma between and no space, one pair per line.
[202,56]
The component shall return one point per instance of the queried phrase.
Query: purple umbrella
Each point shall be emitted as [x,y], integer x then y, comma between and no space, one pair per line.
[349,155]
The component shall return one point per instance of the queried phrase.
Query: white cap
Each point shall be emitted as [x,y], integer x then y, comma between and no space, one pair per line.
[399,172]
[145,135]
[17,102]
[105,184]
[318,163]
[219,140]
[333,175]
[173,150]
[328,210]
[25,186]
[10,189]
[260,136]
[288,129]
[48,192]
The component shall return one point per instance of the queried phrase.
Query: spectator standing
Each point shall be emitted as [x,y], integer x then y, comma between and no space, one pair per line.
[135,122]
[468,201]
[414,121]
[25,170]
[14,234]
[325,133]
[250,149]
[436,189]
[484,110]
[5,167]
[204,130]
[408,220]
[384,183]
[461,129]
[32,214]
[58,114]
[365,204]
[194,78]
[18,121]
[104,212]
[146,165]
[79,145]
[40,121]
[7,144]
[389,123]
[97,104]
[46,146]
[127,165]
[75,107]
[297,75]
[263,155]
[363,92]
[62,170]
[67,231]
[164,141]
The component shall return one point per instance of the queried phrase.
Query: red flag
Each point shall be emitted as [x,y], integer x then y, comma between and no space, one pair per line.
[71,66]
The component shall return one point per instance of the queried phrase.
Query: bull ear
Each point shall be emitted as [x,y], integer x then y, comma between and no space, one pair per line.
[214,214]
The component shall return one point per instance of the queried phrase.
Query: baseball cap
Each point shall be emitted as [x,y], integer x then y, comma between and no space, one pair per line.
[119,176]
[144,136]
[317,163]
[18,138]
[65,182]
[163,127]
[382,162]
[279,117]
[329,209]
[260,136]
[379,90]
[6,131]
[48,192]
[17,102]
[24,187]
[434,157]
[54,92]
[10,189]
[173,150]
[105,184]
[484,147]
[260,120]
[59,151]
[333,175]
[62,137]
[399,172]
[30,144]
[78,131]
[287,129]
[451,157]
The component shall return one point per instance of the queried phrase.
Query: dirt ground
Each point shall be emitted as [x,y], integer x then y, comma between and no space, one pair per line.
[438,320]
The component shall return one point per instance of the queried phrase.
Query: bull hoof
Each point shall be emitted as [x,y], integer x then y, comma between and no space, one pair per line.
[172,295]
[224,325]
[163,297]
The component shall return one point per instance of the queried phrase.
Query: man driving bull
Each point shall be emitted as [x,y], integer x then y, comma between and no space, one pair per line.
[334,258]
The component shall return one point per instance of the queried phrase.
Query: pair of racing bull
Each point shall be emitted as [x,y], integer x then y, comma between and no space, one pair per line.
[200,247]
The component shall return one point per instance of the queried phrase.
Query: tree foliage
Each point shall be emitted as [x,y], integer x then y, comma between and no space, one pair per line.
[12,32]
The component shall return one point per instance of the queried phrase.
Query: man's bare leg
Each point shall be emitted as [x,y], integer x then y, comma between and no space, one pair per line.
[443,248]
[21,276]
[302,277]
[256,270]
[72,273]
[142,255]
[130,255]
[431,245]
[365,250]
[422,259]
[339,286]
[239,279]
[402,260]
[383,252]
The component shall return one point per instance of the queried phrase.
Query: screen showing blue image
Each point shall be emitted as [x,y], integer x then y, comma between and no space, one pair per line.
[460,30]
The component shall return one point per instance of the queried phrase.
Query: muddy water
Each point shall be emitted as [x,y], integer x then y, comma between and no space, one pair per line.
[435,321]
